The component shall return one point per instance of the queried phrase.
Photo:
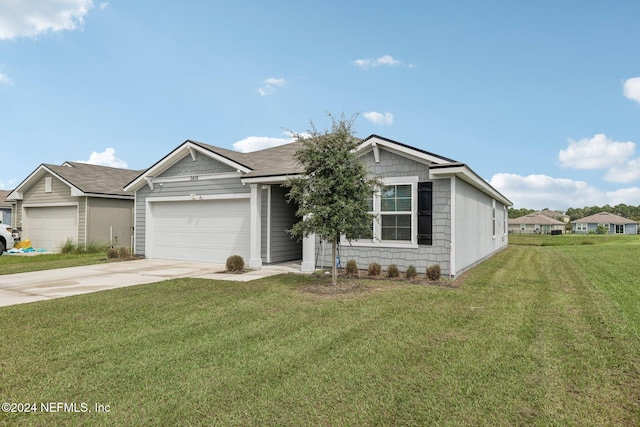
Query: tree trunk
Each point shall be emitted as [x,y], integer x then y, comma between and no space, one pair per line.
[334,273]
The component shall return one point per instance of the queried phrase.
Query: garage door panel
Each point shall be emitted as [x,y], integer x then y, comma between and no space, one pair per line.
[210,230]
[50,227]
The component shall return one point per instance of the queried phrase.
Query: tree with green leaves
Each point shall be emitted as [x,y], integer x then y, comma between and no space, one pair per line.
[333,190]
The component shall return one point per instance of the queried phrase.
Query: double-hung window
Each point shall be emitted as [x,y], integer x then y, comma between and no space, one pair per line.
[619,228]
[396,212]
[403,209]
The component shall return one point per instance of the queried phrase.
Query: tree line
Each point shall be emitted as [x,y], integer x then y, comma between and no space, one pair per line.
[626,211]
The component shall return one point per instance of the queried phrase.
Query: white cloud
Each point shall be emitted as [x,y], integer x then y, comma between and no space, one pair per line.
[8,185]
[270,85]
[627,172]
[29,18]
[5,80]
[379,118]
[542,191]
[598,152]
[104,5]
[631,89]
[385,60]
[539,191]
[106,158]
[255,143]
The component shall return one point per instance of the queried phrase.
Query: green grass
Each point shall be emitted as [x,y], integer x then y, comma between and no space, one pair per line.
[572,239]
[534,336]
[10,264]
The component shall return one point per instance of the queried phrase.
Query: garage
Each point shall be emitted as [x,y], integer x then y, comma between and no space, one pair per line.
[200,230]
[50,227]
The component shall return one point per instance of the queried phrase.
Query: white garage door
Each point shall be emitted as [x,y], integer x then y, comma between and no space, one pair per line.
[203,230]
[50,227]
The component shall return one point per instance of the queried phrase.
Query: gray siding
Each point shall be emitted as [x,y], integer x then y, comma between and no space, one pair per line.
[200,166]
[263,228]
[184,188]
[110,218]
[283,216]
[395,166]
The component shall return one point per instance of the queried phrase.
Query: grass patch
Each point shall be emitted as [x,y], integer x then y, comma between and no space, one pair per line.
[534,336]
[10,264]
[573,239]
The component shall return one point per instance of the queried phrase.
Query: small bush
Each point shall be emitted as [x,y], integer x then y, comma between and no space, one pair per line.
[392,271]
[92,248]
[69,247]
[112,253]
[235,264]
[374,269]
[352,268]
[433,272]
[411,272]
[124,252]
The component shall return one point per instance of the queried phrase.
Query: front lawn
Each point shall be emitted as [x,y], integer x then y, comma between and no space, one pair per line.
[10,264]
[534,336]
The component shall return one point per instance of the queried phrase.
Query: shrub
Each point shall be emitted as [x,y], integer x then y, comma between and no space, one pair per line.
[433,272]
[392,271]
[411,272]
[92,248]
[235,264]
[374,269]
[124,252]
[112,253]
[352,268]
[68,247]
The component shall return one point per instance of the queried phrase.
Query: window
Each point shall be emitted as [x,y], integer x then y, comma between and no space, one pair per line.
[47,184]
[581,226]
[523,227]
[493,220]
[395,212]
[619,228]
[403,210]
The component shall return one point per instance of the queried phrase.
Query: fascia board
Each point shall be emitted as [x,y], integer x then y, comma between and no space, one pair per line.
[170,159]
[464,173]
[34,177]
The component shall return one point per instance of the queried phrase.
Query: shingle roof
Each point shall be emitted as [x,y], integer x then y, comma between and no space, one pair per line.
[95,179]
[3,199]
[605,218]
[536,218]
[551,214]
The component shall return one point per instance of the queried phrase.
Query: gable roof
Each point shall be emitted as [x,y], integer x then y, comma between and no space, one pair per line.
[83,179]
[536,218]
[551,214]
[605,218]
[279,163]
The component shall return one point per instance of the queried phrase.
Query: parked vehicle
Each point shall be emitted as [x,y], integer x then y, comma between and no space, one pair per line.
[6,238]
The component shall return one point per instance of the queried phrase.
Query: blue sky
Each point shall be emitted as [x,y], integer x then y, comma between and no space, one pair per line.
[541,99]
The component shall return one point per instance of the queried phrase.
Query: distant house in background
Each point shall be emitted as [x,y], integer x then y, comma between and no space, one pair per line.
[536,223]
[554,214]
[614,224]
[83,203]
[5,207]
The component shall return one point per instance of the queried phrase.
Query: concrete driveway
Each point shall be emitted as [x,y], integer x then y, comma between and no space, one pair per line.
[48,284]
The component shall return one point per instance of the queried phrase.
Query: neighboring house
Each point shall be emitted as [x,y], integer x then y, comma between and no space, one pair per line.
[205,203]
[5,207]
[614,224]
[535,223]
[76,201]
[554,214]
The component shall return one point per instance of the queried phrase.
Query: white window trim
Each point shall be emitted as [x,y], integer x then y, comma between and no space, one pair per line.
[581,226]
[377,223]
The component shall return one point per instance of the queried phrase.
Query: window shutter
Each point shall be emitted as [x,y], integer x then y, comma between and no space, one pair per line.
[425,213]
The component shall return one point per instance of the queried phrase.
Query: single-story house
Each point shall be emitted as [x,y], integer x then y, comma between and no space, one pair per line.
[5,207]
[80,202]
[614,224]
[535,223]
[554,214]
[204,203]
